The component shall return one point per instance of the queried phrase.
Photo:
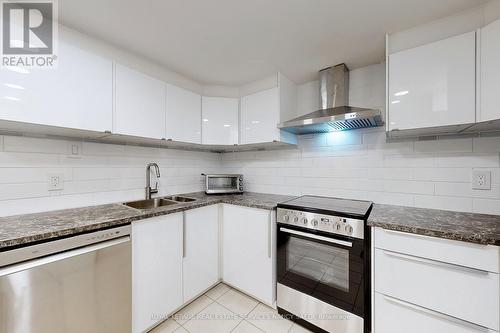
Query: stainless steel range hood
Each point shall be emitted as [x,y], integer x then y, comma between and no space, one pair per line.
[335,113]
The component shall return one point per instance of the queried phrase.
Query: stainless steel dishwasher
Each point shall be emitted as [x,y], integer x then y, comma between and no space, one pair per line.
[71,285]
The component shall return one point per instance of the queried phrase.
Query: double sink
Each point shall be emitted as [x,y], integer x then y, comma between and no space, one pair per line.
[158,202]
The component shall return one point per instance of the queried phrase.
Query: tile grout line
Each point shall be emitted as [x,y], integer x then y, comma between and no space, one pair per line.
[212,301]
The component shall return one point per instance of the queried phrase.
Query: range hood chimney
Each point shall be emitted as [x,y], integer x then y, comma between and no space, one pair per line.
[335,113]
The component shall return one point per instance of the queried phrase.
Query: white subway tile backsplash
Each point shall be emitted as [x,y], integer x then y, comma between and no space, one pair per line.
[487,144]
[465,190]
[97,174]
[486,206]
[35,145]
[431,174]
[446,203]
[459,175]
[469,160]
[444,146]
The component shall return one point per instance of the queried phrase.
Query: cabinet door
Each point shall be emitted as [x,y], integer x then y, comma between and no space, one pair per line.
[490,72]
[156,269]
[183,115]
[77,94]
[248,251]
[139,104]
[395,316]
[433,85]
[220,120]
[201,250]
[260,117]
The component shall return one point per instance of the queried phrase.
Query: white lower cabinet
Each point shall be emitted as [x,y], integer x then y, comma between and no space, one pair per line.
[201,250]
[395,316]
[248,251]
[427,291]
[156,269]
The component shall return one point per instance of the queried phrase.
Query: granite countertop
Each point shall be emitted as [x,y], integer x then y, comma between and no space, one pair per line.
[467,227]
[22,230]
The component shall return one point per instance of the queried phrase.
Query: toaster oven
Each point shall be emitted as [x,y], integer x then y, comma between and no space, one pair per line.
[223,183]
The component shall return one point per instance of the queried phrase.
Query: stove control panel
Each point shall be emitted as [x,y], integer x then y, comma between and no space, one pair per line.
[327,223]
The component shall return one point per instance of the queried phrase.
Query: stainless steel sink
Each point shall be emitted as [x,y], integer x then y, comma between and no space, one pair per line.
[151,203]
[179,198]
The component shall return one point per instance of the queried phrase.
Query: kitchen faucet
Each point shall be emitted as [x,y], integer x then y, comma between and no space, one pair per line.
[149,190]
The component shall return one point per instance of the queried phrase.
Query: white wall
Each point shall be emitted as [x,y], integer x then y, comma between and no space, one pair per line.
[449,26]
[97,174]
[362,165]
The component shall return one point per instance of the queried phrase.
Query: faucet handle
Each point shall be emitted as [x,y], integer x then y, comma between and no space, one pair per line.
[155,190]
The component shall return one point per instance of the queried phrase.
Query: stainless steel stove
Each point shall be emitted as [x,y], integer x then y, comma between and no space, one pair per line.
[323,265]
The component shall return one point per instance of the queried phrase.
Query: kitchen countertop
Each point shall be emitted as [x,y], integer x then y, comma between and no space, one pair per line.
[467,227]
[22,230]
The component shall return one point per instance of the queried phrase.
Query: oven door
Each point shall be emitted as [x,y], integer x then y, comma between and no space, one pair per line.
[328,268]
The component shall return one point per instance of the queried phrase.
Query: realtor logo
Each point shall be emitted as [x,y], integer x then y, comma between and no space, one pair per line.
[28,33]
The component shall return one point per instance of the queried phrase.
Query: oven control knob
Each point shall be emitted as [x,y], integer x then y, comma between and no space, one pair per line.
[314,222]
[348,229]
[304,220]
[338,226]
[295,219]
[286,218]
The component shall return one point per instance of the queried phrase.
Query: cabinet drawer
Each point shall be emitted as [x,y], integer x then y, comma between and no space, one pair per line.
[457,291]
[395,316]
[483,257]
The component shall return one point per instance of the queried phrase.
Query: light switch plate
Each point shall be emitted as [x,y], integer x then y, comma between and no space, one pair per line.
[481,180]
[56,182]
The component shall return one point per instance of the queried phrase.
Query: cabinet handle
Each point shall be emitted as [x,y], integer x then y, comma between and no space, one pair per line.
[184,234]
[316,237]
[436,263]
[409,234]
[439,315]
[269,240]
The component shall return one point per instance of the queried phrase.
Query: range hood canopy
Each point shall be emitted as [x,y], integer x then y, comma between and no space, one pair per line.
[335,113]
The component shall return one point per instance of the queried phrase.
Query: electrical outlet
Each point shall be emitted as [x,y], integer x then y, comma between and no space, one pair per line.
[56,182]
[481,180]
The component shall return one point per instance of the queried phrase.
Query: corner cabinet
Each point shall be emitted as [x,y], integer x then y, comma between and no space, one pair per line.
[183,115]
[77,94]
[220,120]
[490,72]
[433,85]
[200,263]
[249,251]
[157,245]
[139,104]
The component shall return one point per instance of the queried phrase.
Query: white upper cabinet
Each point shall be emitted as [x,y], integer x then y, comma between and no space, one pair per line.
[433,85]
[139,104]
[490,72]
[183,115]
[260,117]
[219,120]
[77,94]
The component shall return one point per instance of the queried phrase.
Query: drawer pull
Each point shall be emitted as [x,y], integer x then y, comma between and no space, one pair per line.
[437,314]
[436,263]
[409,234]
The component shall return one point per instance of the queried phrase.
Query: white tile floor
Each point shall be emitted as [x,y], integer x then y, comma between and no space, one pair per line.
[223,309]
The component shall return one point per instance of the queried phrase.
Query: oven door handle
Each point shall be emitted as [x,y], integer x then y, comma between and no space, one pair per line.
[317,237]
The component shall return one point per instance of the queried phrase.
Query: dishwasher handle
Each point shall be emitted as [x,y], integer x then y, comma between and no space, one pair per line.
[16,268]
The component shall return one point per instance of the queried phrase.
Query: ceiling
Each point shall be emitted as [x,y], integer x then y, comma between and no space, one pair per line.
[233,42]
